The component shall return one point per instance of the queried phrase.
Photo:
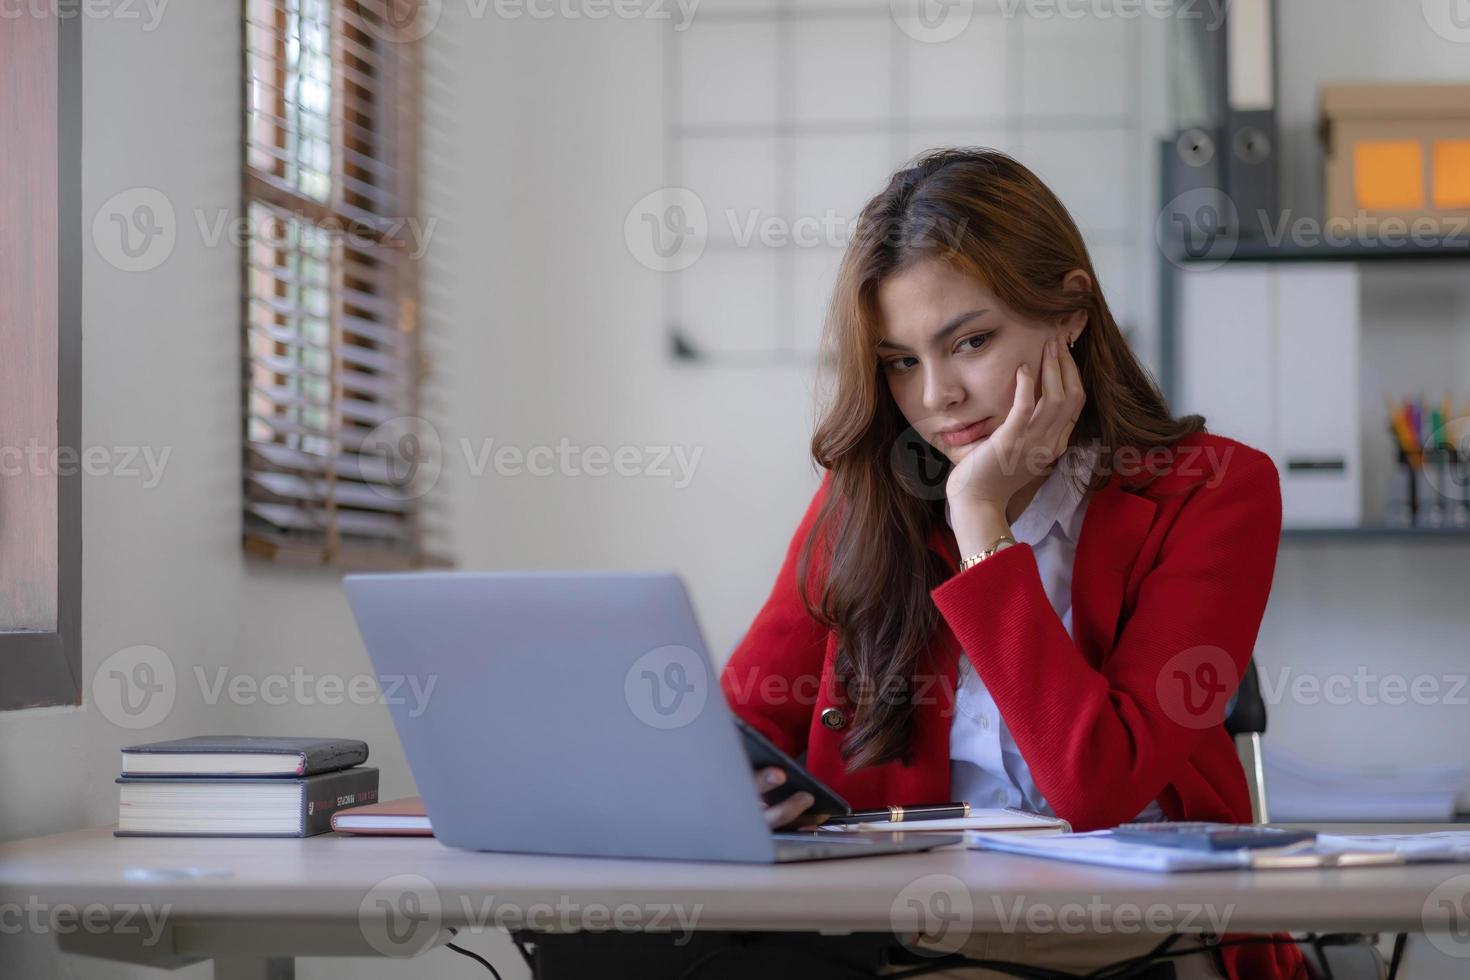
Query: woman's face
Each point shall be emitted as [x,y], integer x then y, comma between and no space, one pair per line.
[950,349]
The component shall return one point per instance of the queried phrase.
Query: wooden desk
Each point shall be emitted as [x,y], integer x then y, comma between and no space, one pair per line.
[247,902]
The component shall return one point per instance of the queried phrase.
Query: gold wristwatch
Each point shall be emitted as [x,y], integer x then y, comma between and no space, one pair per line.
[1004,541]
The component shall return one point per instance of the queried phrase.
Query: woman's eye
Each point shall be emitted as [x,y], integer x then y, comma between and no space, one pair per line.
[978,341]
[896,364]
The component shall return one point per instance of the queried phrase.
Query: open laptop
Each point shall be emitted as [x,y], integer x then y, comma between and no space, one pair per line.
[573,713]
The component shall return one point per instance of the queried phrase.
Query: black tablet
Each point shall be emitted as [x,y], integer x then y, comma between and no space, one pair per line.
[762,753]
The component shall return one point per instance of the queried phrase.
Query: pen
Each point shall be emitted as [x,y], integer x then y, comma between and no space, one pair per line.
[900,814]
[1402,419]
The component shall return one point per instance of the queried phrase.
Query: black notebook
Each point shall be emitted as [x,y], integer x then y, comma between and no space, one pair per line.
[243,755]
[185,806]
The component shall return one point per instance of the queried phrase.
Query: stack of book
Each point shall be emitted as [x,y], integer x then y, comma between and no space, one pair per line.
[241,786]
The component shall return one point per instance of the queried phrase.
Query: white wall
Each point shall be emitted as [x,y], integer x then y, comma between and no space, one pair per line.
[544,328]
[162,565]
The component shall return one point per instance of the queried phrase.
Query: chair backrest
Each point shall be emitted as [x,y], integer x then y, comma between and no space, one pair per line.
[1245,720]
[1246,712]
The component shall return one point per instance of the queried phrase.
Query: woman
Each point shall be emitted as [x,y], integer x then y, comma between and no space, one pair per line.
[1021,581]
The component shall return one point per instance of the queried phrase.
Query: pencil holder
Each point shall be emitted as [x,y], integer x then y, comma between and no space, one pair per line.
[1457,487]
[1435,493]
[1403,493]
[1432,511]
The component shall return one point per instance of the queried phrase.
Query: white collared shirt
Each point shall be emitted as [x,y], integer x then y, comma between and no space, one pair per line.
[986,768]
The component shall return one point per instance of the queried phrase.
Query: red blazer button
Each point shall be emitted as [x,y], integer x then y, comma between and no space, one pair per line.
[833,718]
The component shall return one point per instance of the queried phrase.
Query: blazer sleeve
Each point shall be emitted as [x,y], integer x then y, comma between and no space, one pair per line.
[1102,743]
[773,677]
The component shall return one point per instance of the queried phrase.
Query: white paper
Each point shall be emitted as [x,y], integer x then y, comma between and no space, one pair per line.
[1304,791]
[1442,845]
[1002,818]
[1099,847]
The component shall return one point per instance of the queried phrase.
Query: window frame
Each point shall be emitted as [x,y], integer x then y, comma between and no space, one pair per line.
[41,668]
[398,89]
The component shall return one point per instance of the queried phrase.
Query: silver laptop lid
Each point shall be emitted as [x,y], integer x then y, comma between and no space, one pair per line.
[561,713]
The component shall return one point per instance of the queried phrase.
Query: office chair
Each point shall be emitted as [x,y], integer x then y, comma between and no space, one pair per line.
[1346,956]
[1245,720]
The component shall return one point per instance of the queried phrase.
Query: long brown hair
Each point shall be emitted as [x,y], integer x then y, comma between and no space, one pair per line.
[992,218]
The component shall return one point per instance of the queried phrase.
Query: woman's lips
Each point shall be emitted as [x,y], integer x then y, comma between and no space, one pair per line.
[970,433]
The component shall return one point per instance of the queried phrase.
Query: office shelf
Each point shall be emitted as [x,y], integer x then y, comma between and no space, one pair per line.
[1375,531]
[1253,250]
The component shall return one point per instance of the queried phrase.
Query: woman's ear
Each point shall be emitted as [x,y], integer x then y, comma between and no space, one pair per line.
[1077,281]
[1072,325]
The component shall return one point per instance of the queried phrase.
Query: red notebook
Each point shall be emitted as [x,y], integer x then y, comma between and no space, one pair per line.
[391,818]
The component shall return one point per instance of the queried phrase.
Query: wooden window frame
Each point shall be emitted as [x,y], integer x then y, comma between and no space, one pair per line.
[43,668]
[309,485]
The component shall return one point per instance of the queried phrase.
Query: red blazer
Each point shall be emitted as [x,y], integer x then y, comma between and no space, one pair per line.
[1169,586]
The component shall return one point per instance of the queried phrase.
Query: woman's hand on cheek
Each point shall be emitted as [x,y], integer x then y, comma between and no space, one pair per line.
[1032,437]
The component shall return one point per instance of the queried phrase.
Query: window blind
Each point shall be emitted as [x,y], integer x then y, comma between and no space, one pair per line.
[337,459]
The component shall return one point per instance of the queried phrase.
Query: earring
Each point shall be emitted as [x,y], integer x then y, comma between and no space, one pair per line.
[1071,342]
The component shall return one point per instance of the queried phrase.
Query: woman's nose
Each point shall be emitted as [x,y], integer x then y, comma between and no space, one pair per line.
[941,389]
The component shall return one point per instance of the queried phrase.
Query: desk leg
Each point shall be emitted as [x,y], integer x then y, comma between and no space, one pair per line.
[254,968]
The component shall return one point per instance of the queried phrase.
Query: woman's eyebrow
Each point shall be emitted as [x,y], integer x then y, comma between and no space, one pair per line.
[954,324]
